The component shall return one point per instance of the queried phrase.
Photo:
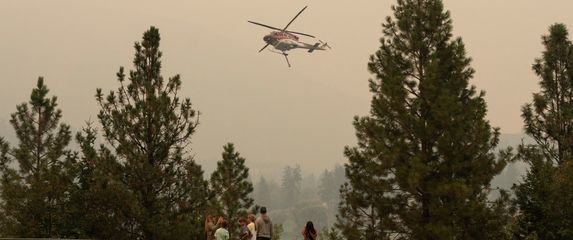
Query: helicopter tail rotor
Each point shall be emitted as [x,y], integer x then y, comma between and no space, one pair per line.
[320,45]
[324,45]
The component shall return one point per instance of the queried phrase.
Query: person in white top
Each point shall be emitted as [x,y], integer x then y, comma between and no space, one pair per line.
[251,226]
[222,233]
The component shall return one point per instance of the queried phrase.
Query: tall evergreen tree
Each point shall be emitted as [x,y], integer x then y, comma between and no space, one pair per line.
[425,159]
[291,185]
[262,192]
[100,198]
[36,180]
[149,129]
[309,187]
[329,190]
[330,183]
[542,199]
[230,185]
[267,193]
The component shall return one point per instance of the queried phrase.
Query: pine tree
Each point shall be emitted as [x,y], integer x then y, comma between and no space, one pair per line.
[230,185]
[267,193]
[263,192]
[290,185]
[100,197]
[4,160]
[149,128]
[325,190]
[329,190]
[543,199]
[425,159]
[36,180]
[329,234]
[278,231]
[309,188]
[330,183]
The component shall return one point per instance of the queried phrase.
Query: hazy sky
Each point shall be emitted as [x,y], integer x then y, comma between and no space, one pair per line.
[275,115]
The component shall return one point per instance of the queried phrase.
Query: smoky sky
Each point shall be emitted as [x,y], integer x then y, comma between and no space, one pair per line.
[275,115]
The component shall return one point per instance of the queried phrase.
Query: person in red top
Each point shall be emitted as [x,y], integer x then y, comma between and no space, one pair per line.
[309,233]
[210,227]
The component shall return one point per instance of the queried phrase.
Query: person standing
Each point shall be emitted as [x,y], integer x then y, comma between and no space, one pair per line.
[251,226]
[308,232]
[222,233]
[264,226]
[210,227]
[245,233]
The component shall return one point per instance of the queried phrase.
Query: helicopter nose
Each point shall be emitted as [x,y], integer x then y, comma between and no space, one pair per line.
[267,39]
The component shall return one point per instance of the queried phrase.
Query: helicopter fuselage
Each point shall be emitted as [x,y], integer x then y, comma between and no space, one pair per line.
[282,41]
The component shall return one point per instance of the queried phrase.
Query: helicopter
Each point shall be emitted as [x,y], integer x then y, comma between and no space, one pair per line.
[284,40]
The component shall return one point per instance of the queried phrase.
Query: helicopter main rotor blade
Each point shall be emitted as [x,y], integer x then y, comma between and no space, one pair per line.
[294,18]
[299,33]
[263,25]
[266,45]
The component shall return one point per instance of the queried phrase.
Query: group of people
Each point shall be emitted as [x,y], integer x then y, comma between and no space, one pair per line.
[252,228]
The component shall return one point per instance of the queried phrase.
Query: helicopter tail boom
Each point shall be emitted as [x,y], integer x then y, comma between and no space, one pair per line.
[314,47]
[317,46]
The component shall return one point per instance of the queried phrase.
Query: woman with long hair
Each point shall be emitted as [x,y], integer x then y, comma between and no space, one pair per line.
[309,233]
[210,227]
[251,226]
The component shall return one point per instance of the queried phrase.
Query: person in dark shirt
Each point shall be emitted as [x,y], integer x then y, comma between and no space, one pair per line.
[245,233]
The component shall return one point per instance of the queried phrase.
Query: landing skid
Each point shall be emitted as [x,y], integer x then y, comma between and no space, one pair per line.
[284,54]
